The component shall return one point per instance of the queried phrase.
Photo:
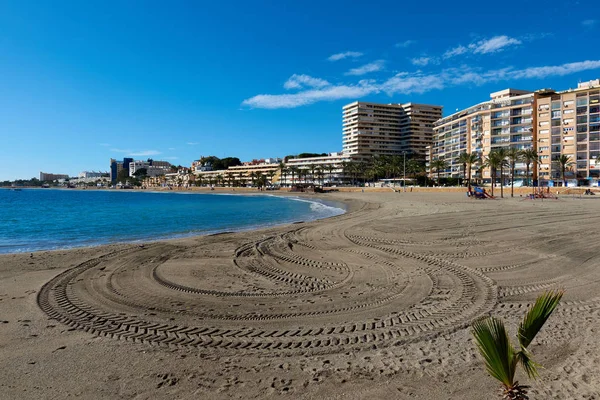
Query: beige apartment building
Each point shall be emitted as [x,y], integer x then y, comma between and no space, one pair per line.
[553,123]
[241,174]
[568,123]
[506,120]
[372,129]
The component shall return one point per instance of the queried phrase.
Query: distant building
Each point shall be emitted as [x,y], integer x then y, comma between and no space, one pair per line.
[198,165]
[118,166]
[152,167]
[372,129]
[327,169]
[93,174]
[242,174]
[45,176]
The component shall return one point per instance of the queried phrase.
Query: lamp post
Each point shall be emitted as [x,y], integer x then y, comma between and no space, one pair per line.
[404,165]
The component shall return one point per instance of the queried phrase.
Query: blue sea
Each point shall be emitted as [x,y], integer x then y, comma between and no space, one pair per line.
[47,219]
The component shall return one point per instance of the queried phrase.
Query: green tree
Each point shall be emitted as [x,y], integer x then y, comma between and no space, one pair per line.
[564,163]
[293,172]
[529,157]
[123,176]
[230,178]
[467,160]
[502,154]
[513,156]
[499,355]
[330,168]
[494,161]
[438,165]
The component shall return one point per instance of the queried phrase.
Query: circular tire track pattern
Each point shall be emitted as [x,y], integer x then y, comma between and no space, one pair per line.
[299,292]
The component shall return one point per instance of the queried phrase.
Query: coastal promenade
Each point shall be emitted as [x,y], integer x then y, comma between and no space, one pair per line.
[375,303]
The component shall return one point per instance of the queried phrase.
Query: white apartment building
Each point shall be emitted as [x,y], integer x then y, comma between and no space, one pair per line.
[153,168]
[326,169]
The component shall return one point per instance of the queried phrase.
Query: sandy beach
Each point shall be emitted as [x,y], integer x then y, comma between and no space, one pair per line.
[375,303]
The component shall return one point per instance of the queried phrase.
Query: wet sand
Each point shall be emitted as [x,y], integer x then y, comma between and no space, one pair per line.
[375,303]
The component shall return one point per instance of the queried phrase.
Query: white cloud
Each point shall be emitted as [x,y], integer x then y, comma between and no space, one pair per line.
[406,83]
[299,81]
[497,43]
[415,82]
[192,143]
[485,46]
[311,96]
[405,44]
[367,68]
[346,54]
[556,70]
[171,148]
[589,23]
[455,51]
[423,61]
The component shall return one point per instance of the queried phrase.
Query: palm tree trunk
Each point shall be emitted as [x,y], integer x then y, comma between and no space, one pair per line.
[502,182]
[512,181]
[469,178]
[493,180]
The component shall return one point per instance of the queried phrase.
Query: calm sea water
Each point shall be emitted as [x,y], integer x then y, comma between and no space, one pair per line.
[42,219]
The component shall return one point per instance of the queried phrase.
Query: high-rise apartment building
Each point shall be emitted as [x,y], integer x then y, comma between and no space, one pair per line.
[552,123]
[504,121]
[371,129]
[568,123]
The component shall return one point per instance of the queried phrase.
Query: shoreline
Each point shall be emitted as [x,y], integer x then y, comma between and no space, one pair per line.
[311,198]
[360,305]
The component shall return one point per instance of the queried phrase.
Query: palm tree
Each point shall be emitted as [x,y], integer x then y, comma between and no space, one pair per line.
[312,168]
[230,177]
[438,164]
[284,173]
[499,355]
[467,160]
[330,168]
[529,156]
[513,155]
[253,177]
[413,167]
[503,154]
[271,175]
[462,159]
[220,180]
[320,174]
[494,160]
[564,162]
[293,172]
[281,170]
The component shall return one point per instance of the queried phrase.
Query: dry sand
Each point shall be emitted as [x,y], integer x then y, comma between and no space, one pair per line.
[372,304]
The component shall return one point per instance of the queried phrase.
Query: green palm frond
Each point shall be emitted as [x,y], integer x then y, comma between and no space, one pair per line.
[495,348]
[530,366]
[537,315]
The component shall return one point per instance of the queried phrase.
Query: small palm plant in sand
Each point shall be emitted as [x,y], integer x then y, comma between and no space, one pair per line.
[499,355]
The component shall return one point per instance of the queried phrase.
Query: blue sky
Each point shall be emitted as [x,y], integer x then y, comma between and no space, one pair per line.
[81,82]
